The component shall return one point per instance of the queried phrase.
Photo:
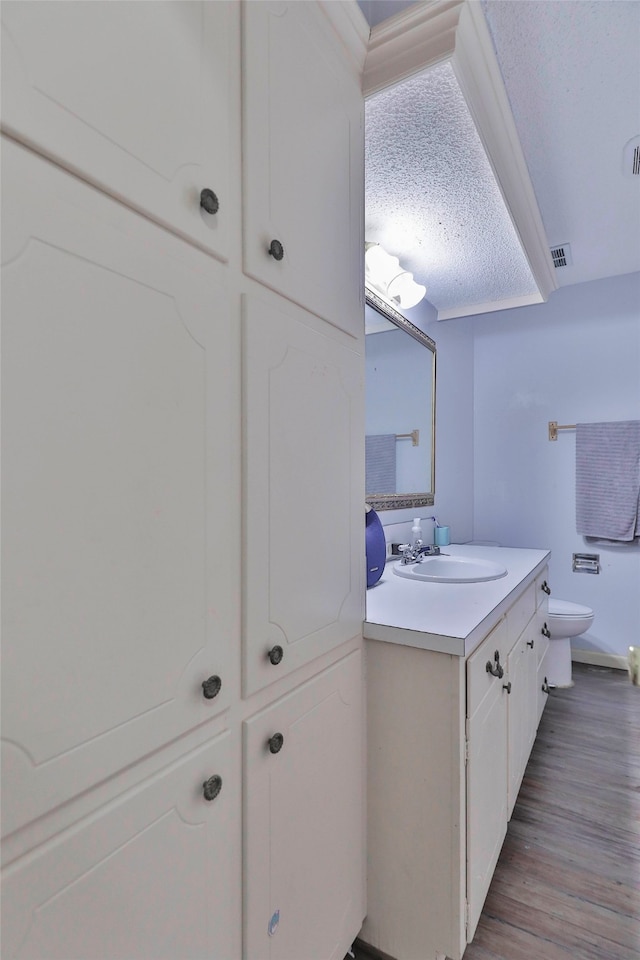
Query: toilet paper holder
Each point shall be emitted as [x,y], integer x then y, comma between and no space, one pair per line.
[586,563]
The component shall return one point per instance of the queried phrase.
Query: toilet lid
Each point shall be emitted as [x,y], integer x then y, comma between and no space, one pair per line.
[565,608]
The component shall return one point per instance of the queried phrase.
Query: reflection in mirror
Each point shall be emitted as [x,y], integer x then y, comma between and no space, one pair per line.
[400,409]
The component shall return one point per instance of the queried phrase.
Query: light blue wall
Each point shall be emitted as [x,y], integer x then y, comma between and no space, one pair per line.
[573,359]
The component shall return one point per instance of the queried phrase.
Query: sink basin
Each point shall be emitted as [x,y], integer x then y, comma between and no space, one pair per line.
[446,569]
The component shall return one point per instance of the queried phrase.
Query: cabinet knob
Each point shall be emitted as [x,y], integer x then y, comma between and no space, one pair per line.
[276,250]
[212,787]
[275,655]
[507,686]
[545,631]
[545,686]
[545,587]
[276,743]
[530,643]
[209,201]
[211,687]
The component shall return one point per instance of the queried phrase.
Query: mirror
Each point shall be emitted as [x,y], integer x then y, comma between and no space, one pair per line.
[400,409]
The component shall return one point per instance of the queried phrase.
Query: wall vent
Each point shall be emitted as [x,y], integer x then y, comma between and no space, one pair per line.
[561,255]
[631,158]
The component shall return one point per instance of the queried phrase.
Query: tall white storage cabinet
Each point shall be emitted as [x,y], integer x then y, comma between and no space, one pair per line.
[182,491]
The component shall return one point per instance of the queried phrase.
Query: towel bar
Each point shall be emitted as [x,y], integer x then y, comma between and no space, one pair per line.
[554,426]
[415,437]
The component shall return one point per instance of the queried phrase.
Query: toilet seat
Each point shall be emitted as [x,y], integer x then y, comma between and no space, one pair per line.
[568,610]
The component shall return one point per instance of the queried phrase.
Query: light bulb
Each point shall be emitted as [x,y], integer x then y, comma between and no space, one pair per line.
[405,290]
[384,272]
[381,267]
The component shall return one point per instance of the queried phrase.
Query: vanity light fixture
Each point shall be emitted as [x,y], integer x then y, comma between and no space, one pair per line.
[384,274]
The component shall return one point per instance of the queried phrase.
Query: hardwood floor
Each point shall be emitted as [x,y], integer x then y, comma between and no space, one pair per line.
[567,884]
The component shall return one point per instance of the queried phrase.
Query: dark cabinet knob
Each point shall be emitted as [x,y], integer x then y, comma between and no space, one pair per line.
[545,587]
[545,631]
[211,687]
[275,655]
[545,686]
[212,787]
[276,743]
[276,250]
[507,686]
[530,643]
[208,201]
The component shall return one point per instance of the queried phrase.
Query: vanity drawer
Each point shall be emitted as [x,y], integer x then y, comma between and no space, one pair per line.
[479,680]
[542,587]
[520,613]
[541,640]
[542,691]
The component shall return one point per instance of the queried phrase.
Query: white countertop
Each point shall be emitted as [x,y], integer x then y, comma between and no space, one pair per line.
[448,617]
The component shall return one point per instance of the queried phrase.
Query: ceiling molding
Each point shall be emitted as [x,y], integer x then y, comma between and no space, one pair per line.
[478,308]
[476,68]
[351,27]
[416,38]
[455,30]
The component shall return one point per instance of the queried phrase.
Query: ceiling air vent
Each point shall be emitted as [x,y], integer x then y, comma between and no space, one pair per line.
[561,255]
[631,158]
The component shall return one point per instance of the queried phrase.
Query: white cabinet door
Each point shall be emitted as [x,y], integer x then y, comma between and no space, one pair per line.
[153,876]
[522,666]
[303,482]
[303,161]
[119,476]
[304,820]
[135,97]
[486,785]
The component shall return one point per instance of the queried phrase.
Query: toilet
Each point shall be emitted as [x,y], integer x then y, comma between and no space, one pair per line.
[565,620]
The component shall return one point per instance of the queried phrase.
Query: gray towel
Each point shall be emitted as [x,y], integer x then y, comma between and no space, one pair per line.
[380,463]
[608,480]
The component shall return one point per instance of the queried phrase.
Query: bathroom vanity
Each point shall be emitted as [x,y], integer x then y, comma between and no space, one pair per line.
[456,689]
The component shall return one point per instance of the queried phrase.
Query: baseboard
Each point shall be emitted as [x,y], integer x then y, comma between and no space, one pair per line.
[599,659]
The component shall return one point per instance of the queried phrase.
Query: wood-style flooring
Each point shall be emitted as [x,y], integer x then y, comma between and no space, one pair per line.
[567,884]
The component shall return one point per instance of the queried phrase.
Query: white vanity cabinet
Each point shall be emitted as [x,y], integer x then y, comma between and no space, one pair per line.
[135,98]
[449,738]
[303,160]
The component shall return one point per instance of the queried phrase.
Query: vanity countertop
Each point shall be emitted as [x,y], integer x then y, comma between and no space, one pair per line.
[449,617]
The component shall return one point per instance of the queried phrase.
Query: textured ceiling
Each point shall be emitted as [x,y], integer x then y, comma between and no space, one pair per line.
[572,76]
[431,198]
[572,73]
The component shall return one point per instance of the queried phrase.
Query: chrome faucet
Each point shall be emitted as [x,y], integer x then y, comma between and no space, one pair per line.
[414,553]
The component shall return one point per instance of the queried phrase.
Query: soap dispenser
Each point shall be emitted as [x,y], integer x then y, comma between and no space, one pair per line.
[416,530]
